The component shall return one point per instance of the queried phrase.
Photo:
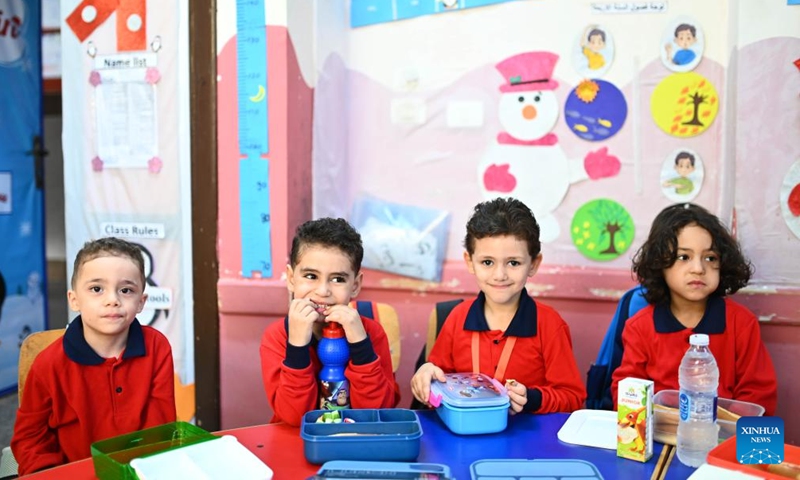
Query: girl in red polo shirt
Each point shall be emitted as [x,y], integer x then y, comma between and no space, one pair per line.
[688,265]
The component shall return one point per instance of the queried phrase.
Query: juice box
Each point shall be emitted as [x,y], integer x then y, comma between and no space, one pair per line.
[635,419]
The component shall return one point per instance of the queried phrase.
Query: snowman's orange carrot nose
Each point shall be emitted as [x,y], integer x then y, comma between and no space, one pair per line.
[529,112]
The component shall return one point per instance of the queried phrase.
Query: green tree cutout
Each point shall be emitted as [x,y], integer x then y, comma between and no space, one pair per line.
[602,229]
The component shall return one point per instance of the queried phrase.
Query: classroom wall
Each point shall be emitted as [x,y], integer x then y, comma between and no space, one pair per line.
[350,79]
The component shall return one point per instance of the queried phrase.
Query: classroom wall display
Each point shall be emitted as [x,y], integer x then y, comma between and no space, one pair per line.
[767,152]
[602,229]
[391,112]
[593,52]
[684,105]
[682,175]
[790,198]
[369,12]
[595,110]
[527,162]
[682,44]
[126,154]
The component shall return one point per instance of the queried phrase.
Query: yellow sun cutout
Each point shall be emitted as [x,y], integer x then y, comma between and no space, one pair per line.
[587,90]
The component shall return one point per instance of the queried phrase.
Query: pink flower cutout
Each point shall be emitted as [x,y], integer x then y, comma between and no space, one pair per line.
[94,78]
[154,165]
[152,76]
[97,164]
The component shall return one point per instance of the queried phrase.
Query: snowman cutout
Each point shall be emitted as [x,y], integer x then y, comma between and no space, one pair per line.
[526,162]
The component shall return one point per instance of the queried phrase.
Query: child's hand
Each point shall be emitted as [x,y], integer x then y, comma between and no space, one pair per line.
[302,315]
[517,394]
[349,319]
[421,381]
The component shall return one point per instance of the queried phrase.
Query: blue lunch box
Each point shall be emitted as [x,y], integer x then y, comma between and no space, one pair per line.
[471,403]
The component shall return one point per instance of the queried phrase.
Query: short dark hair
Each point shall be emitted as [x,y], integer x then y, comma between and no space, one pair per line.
[659,252]
[596,31]
[683,155]
[108,247]
[685,26]
[328,232]
[503,216]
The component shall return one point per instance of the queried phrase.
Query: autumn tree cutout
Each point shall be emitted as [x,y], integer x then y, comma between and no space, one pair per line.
[684,104]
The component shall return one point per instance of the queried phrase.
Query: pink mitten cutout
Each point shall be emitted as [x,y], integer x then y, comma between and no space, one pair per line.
[599,164]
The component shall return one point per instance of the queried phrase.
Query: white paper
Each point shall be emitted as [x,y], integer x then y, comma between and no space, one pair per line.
[629,7]
[51,14]
[51,55]
[218,459]
[127,133]
[465,114]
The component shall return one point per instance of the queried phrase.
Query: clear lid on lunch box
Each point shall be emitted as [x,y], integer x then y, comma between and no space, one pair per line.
[469,390]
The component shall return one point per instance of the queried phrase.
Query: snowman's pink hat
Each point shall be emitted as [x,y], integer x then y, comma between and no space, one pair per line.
[528,71]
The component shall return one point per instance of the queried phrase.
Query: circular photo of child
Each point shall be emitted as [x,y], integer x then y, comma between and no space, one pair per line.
[682,175]
[682,44]
[593,51]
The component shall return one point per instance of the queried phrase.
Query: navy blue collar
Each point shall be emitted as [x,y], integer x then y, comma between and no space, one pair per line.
[713,321]
[79,351]
[522,325]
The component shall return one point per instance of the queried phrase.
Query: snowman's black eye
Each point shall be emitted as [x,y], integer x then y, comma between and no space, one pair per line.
[536,98]
[521,99]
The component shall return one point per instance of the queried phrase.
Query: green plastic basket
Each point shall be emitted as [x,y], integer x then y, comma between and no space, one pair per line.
[112,456]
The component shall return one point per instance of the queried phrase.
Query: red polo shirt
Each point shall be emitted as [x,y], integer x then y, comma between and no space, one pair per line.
[74,397]
[655,341]
[542,358]
[290,373]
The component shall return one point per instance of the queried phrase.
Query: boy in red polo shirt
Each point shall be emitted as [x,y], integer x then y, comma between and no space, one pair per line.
[323,274]
[107,376]
[521,342]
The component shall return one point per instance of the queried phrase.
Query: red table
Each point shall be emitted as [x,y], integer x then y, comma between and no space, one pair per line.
[277,445]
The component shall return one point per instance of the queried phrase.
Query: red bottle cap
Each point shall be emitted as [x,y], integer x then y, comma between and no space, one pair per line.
[332,330]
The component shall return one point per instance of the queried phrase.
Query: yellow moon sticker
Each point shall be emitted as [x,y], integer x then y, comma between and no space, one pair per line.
[260,95]
[684,104]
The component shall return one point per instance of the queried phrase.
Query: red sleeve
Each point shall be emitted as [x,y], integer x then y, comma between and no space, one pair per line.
[161,404]
[290,392]
[373,385]
[563,390]
[755,373]
[634,356]
[34,443]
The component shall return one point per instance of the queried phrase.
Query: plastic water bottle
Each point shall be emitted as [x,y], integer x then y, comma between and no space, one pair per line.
[697,425]
[334,354]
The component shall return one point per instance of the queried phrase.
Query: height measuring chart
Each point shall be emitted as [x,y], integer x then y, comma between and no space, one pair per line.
[251,83]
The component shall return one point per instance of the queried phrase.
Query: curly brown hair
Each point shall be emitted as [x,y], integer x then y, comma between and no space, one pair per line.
[503,216]
[659,252]
[330,233]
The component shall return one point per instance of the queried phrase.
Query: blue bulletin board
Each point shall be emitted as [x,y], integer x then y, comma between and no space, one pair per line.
[369,12]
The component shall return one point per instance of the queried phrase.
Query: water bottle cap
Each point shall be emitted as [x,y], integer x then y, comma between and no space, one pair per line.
[332,330]
[699,339]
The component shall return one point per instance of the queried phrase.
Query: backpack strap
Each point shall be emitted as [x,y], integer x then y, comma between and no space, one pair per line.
[367,310]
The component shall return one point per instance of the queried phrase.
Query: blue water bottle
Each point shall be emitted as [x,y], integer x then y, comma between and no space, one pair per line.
[334,353]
